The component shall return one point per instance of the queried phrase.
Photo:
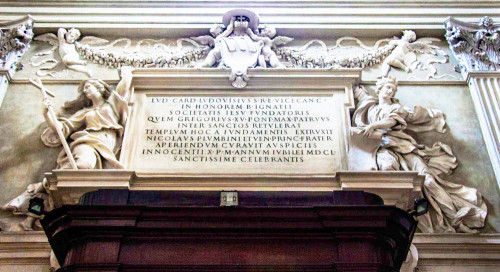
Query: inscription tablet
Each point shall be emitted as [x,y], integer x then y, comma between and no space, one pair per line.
[238,135]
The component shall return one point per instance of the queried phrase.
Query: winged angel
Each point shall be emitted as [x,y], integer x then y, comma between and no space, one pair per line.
[65,41]
[403,55]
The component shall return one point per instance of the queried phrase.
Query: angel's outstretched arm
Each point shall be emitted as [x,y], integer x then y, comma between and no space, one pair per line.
[253,36]
[360,92]
[61,33]
[123,86]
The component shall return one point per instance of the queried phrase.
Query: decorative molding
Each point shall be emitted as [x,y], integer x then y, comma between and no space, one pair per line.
[24,248]
[457,252]
[395,187]
[216,79]
[325,17]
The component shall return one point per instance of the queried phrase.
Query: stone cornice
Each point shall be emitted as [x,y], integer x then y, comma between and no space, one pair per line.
[25,247]
[174,18]
[457,250]
[254,3]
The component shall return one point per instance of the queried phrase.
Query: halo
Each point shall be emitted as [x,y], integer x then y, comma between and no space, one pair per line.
[252,16]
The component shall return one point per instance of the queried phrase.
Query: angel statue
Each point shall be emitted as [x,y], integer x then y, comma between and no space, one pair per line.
[67,50]
[268,55]
[403,55]
[66,41]
[93,123]
[453,207]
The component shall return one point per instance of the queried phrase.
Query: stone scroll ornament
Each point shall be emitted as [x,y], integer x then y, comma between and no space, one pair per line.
[378,115]
[476,46]
[93,124]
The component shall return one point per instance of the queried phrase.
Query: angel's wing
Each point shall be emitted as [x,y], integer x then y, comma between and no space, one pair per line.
[91,40]
[281,40]
[409,58]
[424,46]
[49,38]
[205,40]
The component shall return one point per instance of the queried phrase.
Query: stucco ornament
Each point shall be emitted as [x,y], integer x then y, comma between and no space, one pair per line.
[93,124]
[115,54]
[15,38]
[403,54]
[240,48]
[66,41]
[453,207]
[476,46]
[391,52]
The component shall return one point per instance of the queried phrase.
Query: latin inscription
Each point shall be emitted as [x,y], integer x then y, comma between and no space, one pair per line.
[213,135]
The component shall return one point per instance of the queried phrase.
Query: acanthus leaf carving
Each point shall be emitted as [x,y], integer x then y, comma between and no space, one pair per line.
[15,38]
[476,46]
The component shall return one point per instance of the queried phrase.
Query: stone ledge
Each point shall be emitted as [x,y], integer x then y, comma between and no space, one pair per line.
[457,252]
[394,187]
[24,247]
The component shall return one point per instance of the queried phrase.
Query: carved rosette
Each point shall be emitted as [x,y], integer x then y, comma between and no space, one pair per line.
[476,46]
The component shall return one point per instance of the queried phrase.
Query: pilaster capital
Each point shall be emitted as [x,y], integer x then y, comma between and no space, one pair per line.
[475,45]
[15,37]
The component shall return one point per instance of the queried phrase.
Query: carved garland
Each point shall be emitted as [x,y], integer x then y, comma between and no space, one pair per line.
[112,60]
[368,59]
[295,57]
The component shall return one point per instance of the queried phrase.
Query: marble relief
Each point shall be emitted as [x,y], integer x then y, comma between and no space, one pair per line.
[453,207]
[406,53]
[241,42]
[93,125]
